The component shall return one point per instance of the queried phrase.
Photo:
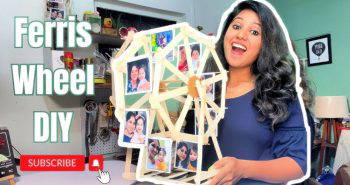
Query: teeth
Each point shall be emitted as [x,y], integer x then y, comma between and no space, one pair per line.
[239,46]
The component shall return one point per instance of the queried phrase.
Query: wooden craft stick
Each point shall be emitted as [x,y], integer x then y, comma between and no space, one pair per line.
[188,55]
[180,99]
[203,61]
[166,119]
[185,108]
[127,167]
[213,79]
[174,70]
[138,104]
[161,125]
[162,53]
[171,94]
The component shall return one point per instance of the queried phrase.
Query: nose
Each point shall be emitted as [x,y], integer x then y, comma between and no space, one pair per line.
[242,34]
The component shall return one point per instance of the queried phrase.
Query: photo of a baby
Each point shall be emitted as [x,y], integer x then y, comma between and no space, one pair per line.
[186,156]
[133,132]
[159,154]
[138,75]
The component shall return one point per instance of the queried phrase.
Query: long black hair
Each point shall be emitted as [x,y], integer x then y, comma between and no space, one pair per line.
[184,163]
[274,69]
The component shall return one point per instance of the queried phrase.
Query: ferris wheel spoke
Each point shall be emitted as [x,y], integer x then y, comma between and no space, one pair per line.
[171,94]
[203,61]
[183,113]
[188,56]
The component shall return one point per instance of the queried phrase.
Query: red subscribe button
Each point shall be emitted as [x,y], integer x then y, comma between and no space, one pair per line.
[52,163]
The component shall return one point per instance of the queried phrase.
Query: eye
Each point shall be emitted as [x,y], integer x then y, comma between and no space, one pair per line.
[236,26]
[254,32]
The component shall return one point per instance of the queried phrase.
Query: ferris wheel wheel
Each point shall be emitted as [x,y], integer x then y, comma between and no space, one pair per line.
[155,71]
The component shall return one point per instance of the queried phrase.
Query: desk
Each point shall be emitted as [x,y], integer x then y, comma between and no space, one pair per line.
[115,168]
[342,155]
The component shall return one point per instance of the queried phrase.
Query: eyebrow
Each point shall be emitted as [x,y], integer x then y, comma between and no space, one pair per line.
[243,19]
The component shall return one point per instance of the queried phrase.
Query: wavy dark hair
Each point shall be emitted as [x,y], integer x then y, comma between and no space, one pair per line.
[273,69]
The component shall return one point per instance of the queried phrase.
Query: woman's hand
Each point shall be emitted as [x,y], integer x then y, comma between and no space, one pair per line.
[230,171]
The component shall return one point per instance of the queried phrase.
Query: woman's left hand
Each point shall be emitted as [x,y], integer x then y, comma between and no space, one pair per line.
[230,171]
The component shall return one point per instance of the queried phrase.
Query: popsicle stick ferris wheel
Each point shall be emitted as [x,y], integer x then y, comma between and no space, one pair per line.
[159,82]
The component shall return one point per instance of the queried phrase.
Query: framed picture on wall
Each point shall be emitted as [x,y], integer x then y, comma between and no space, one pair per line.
[319,50]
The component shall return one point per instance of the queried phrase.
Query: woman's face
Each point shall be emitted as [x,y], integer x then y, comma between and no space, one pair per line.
[193,155]
[195,55]
[182,152]
[134,73]
[142,74]
[130,126]
[139,126]
[243,41]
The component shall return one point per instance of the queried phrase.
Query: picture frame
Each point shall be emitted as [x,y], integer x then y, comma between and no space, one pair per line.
[157,147]
[133,140]
[183,156]
[142,85]
[319,50]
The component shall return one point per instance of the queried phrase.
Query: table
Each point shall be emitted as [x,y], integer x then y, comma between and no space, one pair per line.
[115,168]
[342,155]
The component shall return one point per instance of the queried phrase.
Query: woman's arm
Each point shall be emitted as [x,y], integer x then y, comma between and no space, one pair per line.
[273,171]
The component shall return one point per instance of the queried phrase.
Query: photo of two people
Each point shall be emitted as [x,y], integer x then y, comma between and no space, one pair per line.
[138,75]
[159,154]
[135,127]
[186,156]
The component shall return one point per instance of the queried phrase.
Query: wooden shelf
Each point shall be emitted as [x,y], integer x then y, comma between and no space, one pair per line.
[106,39]
[103,86]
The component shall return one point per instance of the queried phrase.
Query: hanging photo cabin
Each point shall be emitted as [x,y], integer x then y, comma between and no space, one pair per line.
[150,78]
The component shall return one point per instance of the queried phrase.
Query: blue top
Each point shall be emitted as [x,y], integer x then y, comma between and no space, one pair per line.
[242,136]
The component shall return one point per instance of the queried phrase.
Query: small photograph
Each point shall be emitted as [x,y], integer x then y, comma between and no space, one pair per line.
[133,132]
[159,154]
[213,115]
[56,14]
[161,40]
[138,75]
[196,50]
[56,1]
[210,91]
[186,156]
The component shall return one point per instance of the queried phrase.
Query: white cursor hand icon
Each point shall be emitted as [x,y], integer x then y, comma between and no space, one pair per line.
[103,176]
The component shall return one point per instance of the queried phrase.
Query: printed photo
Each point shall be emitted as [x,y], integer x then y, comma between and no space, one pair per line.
[56,1]
[196,51]
[159,154]
[56,14]
[133,132]
[210,90]
[161,40]
[186,156]
[138,75]
[213,115]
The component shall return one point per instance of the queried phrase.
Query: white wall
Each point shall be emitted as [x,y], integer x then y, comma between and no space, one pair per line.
[16,112]
[208,13]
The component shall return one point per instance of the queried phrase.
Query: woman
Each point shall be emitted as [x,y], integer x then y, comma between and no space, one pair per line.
[129,127]
[262,136]
[182,154]
[133,79]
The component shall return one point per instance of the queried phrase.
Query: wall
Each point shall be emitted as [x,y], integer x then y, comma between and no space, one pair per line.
[208,13]
[16,112]
[311,18]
